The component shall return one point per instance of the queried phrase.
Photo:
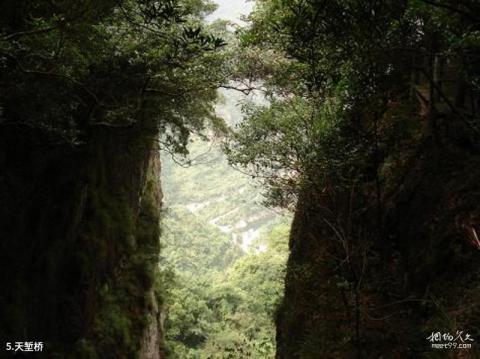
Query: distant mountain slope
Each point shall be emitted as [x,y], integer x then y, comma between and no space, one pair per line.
[216,194]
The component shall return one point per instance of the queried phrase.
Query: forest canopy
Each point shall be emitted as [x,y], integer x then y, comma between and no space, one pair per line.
[333,70]
[70,66]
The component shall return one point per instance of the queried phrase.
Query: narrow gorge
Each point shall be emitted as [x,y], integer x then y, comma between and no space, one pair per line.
[200,179]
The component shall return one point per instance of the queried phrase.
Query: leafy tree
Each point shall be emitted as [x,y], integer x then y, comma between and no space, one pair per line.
[87,90]
[331,69]
[225,310]
[87,64]
[365,98]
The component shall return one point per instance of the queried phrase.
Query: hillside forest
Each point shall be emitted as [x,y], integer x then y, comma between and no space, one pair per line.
[299,182]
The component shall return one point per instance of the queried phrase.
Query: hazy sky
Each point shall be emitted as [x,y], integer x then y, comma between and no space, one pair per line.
[231,9]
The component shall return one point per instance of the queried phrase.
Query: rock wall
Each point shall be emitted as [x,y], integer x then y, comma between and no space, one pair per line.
[79,231]
[370,282]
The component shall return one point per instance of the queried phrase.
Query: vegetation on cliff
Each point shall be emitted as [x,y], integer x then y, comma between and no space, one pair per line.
[372,136]
[369,133]
[88,89]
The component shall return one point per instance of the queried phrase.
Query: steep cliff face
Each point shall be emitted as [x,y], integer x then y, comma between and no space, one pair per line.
[80,242]
[372,278]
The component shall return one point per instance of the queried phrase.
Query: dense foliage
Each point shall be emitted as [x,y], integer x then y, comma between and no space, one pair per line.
[222,309]
[372,136]
[333,70]
[87,90]
[220,282]
[70,66]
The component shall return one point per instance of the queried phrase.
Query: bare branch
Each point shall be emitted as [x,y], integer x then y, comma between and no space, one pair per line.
[452,107]
[30,32]
[245,91]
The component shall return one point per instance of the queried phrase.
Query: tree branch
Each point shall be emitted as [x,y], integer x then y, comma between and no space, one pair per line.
[448,102]
[245,91]
[50,74]
[30,32]
[162,92]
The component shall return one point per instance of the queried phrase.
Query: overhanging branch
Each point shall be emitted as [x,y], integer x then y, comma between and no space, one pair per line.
[50,74]
[30,32]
